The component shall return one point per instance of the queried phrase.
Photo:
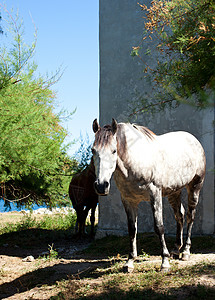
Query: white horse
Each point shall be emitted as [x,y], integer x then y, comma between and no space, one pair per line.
[147,167]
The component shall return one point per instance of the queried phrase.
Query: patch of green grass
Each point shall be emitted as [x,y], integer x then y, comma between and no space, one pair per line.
[49,222]
[58,222]
[52,254]
[30,229]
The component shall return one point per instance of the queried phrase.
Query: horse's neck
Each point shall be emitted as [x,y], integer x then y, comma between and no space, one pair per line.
[131,140]
[133,147]
[91,169]
[123,141]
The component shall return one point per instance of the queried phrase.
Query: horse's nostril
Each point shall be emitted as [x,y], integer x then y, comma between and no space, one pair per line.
[106,184]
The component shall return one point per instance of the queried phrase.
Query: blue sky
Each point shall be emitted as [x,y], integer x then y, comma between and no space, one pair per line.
[67,35]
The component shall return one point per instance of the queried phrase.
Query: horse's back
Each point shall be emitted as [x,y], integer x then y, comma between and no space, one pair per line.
[181,157]
[81,189]
[181,145]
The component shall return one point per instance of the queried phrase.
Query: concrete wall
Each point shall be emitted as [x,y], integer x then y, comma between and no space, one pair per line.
[121,25]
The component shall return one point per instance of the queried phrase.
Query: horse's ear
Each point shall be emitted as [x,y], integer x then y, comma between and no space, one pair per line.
[95,126]
[114,126]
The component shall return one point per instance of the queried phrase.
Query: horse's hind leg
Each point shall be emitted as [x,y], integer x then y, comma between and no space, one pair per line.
[193,190]
[81,219]
[175,201]
[157,209]
[131,211]
[92,221]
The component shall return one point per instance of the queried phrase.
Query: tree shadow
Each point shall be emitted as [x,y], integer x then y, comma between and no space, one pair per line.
[49,275]
[147,244]
[36,241]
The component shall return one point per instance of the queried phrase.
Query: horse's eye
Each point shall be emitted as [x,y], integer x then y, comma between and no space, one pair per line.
[114,151]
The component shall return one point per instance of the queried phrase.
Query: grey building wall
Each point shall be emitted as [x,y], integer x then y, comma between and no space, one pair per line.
[121,26]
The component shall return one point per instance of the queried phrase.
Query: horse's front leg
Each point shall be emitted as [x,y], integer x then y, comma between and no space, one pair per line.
[157,209]
[131,211]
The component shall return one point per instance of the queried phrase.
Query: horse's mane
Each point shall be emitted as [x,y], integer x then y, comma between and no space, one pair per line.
[145,131]
[103,135]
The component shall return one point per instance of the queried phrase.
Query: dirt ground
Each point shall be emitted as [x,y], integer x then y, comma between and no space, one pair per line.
[28,272]
[38,278]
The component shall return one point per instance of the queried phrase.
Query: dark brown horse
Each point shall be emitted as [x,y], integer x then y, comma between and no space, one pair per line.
[84,197]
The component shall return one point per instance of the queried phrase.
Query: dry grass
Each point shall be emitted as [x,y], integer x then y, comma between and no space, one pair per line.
[10,217]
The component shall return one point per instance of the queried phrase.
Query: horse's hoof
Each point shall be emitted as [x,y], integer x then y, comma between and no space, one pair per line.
[165,269]
[185,256]
[128,267]
[174,255]
[165,266]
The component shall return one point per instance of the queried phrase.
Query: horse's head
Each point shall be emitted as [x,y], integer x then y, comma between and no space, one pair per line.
[104,155]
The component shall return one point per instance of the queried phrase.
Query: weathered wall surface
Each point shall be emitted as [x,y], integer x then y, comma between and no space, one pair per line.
[121,26]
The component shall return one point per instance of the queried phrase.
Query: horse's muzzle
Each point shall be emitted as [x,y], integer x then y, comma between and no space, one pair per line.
[102,189]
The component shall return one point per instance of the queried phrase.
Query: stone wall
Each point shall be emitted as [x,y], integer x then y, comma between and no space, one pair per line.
[121,25]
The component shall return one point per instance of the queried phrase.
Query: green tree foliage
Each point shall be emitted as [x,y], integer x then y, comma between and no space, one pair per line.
[32,152]
[185,36]
[83,154]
